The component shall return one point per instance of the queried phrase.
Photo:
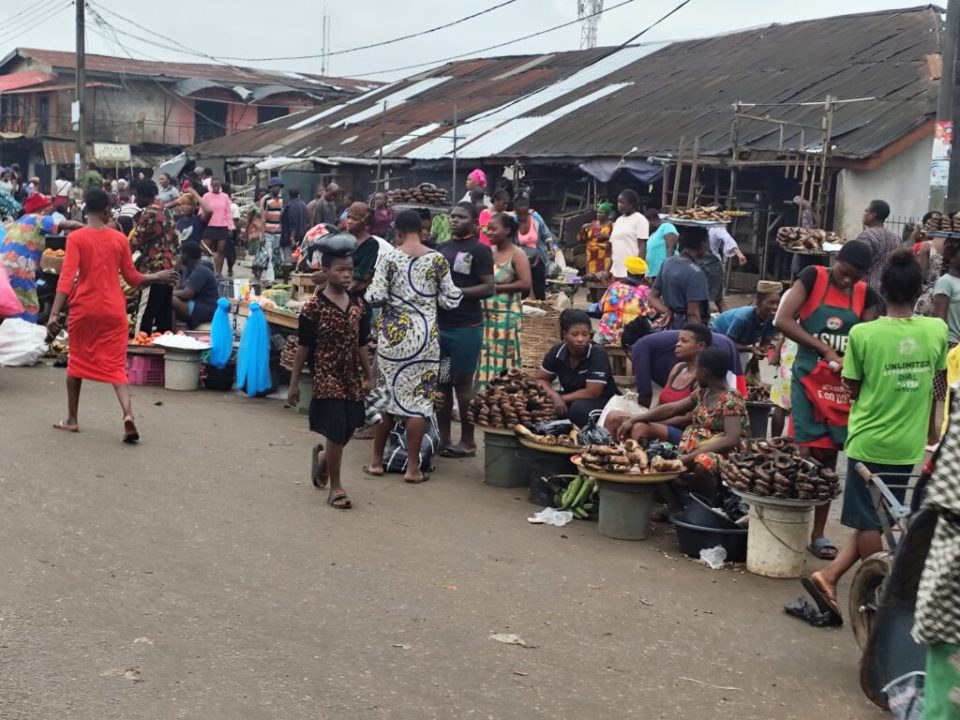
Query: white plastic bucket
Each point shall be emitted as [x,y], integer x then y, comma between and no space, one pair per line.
[181,369]
[777,539]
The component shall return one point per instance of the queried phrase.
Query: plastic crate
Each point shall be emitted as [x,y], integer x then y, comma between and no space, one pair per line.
[145,370]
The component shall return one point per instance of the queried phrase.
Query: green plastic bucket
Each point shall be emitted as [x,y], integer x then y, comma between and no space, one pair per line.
[502,465]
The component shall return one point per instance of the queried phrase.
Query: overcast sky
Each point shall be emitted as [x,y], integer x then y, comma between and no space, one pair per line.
[265,28]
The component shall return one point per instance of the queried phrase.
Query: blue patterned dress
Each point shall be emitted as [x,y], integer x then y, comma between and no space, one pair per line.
[410,289]
[20,248]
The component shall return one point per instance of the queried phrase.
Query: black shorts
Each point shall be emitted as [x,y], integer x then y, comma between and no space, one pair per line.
[216,235]
[336,420]
[859,511]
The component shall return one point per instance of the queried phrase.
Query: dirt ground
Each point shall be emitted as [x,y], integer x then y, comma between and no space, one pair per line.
[199,575]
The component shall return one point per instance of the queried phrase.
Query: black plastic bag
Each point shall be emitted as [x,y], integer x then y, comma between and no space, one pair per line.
[553,427]
[395,453]
[593,433]
[544,490]
[668,451]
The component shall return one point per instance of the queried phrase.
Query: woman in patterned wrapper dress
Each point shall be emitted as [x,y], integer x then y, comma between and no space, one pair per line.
[595,236]
[410,283]
[503,312]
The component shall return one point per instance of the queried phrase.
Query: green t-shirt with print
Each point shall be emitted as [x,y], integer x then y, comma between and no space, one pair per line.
[895,360]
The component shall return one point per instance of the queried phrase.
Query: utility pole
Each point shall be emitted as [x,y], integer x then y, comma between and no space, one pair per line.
[453,190]
[945,191]
[77,109]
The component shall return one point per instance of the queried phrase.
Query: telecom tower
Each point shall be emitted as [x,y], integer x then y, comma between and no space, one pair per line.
[589,11]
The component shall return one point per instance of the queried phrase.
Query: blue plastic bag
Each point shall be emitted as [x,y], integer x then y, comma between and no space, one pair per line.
[253,357]
[221,336]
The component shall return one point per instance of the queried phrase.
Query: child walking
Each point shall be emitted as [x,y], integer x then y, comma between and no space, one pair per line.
[334,332]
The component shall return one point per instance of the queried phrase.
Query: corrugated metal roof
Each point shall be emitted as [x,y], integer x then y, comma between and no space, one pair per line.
[23,79]
[533,106]
[223,73]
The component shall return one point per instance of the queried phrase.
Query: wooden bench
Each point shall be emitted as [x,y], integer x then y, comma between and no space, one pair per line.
[621,365]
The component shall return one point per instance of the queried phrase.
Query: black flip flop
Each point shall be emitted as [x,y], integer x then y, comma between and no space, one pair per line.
[340,494]
[367,471]
[422,479]
[458,454]
[824,604]
[316,472]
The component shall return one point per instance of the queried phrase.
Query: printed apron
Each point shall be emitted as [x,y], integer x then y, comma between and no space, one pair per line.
[828,314]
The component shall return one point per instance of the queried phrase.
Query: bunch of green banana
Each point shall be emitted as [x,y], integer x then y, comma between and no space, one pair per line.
[581,497]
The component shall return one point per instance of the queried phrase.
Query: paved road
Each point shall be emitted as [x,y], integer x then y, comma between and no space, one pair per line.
[199,575]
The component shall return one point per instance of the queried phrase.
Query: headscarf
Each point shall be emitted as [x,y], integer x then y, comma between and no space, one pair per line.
[636,266]
[606,208]
[479,177]
[768,287]
[37,202]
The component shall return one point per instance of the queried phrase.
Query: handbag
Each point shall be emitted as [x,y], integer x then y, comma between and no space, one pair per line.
[828,395]
[10,305]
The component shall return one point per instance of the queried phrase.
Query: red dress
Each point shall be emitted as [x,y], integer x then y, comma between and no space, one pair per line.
[97,324]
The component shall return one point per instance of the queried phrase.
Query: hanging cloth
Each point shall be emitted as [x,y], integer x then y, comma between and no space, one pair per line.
[253,357]
[221,336]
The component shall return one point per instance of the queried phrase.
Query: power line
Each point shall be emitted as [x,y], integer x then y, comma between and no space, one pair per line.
[473,53]
[34,21]
[421,33]
[189,51]
[222,59]
[20,17]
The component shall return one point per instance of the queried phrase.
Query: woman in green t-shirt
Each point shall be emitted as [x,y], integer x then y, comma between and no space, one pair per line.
[889,367]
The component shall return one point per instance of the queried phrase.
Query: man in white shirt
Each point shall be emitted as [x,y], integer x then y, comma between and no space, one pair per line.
[62,185]
[630,232]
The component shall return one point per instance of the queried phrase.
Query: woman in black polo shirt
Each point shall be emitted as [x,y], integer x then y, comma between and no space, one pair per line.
[580,367]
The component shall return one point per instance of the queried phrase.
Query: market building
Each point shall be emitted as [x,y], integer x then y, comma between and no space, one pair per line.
[154,108]
[837,110]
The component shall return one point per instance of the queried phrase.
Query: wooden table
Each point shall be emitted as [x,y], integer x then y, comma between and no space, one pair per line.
[595,290]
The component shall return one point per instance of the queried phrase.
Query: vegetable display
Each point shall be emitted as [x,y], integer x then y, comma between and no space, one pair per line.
[509,400]
[774,468]
[581,497]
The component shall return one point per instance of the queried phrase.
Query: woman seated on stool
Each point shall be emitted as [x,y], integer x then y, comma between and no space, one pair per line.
[195,301]
[624,301]
[720,421]
[692,339]
[581,368]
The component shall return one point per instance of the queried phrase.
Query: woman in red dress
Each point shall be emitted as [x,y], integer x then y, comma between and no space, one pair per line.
[98,324]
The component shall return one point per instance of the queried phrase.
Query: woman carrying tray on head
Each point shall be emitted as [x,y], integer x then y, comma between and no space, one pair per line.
[818,313]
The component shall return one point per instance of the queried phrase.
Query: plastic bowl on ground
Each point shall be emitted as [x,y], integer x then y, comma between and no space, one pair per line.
[699,512]
[694,538]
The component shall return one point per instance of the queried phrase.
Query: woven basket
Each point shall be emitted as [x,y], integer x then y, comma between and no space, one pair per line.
[539,334]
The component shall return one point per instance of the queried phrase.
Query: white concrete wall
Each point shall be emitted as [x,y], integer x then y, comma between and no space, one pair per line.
[903,181]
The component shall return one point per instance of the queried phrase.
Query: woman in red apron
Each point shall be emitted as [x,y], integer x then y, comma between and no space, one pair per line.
[817,313]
